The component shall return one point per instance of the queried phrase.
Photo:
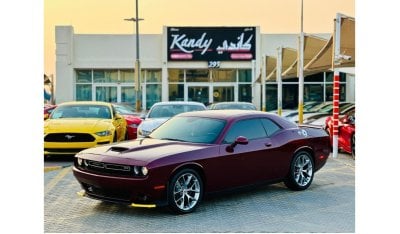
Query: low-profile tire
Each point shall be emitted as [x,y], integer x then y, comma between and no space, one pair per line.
[301,171]
[185,191]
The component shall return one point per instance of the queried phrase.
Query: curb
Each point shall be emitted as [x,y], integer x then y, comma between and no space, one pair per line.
[53,168]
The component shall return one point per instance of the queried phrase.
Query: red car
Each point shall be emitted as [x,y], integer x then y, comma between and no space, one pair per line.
[196,153]
[48,108]
[132,120]
[347,132]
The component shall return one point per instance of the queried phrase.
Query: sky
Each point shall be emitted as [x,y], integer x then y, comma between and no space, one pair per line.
[106,16]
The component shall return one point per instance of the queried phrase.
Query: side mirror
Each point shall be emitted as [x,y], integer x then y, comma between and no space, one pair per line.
[46,116]
[240,140]
[143,116]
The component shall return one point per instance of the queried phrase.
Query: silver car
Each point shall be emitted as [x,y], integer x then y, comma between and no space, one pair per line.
[162,111]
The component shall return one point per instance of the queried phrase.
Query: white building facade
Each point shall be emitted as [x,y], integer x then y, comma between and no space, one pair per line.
[205,64]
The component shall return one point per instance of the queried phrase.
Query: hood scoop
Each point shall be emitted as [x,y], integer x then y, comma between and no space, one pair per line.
[118,149]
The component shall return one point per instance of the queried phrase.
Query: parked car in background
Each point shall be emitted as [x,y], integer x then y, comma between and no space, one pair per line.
[74,126]
[201,152]
[320,119]
[48,108]
[162,111]
[132,119]
[347,131]
[232,106]
[323,109]
[287,113]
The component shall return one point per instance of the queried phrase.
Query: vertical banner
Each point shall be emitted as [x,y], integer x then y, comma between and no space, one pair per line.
[336,93]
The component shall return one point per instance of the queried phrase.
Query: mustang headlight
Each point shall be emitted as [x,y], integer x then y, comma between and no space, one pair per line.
[104,133]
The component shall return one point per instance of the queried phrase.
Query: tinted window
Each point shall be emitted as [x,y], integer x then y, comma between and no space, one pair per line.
[190,129]
[270,126]
[249,128]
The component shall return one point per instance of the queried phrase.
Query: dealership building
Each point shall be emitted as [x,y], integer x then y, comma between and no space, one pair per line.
[204,64]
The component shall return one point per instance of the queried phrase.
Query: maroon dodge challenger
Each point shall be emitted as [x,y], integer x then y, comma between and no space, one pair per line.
[196,153]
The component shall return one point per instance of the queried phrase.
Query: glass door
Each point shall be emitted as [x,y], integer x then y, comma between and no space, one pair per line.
[199,94]
[223,94]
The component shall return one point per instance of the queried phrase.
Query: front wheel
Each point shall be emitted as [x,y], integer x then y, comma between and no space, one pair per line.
[185,191]
[301,172]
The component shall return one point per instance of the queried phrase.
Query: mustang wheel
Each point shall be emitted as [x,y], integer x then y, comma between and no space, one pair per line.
[185,191]
[301,172]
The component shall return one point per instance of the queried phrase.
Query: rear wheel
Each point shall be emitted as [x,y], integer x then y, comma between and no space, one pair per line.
[185,191]
[301,172]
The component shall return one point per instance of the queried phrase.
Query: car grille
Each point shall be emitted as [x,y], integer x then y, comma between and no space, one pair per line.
[69,137]
[64,151]
[114,195]
[106,168]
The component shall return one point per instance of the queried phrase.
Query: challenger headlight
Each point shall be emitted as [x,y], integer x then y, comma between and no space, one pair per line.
[104,133]
[79,160]
[140,171]
[145,171]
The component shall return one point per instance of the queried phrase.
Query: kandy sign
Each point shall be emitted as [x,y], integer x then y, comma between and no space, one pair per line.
[211,43]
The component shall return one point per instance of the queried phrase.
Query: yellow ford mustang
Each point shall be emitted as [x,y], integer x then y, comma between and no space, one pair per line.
[74,126]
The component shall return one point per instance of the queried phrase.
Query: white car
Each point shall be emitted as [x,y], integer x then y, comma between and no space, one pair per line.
[163,111]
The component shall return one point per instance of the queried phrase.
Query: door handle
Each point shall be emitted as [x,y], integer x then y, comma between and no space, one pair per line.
[268,144]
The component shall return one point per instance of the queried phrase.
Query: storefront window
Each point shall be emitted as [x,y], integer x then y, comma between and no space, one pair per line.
[245,75]
[329,92]
[290,95]
[175,75]
[83,76]
[287,80]
[106,93]
[329,77]
[245,93]
[271,97]
[83,92]
[200,75]
[127,76]
[224,75]
[104,76]
[176,92]
[223,94]
[319,77]
[128,94]
[153,76]
[153,94]
[313,92]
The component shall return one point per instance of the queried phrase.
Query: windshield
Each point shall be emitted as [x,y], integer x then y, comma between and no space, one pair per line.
[167,111]
[319,106]
[81,111]
[190,129]
[123,110]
